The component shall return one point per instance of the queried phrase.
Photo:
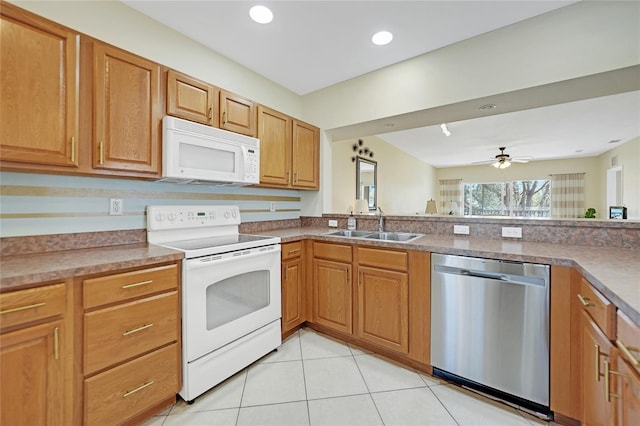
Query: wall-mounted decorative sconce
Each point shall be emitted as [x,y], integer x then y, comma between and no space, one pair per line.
[361,151]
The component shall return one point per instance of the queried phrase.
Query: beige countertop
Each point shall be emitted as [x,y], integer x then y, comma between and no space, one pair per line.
[613,271]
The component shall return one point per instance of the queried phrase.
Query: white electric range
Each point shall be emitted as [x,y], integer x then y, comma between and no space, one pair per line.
[230,291]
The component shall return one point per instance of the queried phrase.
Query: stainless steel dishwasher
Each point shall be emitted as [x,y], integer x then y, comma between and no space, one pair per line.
[490,327]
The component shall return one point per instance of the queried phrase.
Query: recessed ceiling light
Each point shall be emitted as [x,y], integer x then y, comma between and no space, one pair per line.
[261,14]
[382,37]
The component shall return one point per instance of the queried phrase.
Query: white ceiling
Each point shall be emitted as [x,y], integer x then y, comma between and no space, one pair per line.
[314,44]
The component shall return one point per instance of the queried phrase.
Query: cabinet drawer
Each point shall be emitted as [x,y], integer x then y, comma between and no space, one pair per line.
[24,306]
[128,285]
[386,259]
[119,394]
[339,252]
[628,340]
[120,332]
[291,250]
[599,308]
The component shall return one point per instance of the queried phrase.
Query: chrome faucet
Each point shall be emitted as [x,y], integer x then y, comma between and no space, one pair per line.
[380,220]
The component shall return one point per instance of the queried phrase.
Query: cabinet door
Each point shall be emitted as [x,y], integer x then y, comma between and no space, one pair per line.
[192,99]
[332,298]
[596,410]
[237,114]
[628,393]
[305,156]
[127,112]
[292,294]
[274,132]
[383,308]
[31,375]
[39,97]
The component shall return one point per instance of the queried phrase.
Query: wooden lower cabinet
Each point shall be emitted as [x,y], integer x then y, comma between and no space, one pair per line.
[596,349]
[625,393]
[383,308]
[332,295]
[293,291]
[131,345]
[31,379]
[34,357]
[124,391]
[383,298]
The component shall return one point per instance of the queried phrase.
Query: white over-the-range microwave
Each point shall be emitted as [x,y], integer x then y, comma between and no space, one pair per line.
[196,153]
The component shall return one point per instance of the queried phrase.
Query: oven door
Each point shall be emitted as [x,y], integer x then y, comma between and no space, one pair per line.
[228,296]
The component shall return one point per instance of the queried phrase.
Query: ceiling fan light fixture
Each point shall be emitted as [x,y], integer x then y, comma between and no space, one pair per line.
[261,14]
[501,164]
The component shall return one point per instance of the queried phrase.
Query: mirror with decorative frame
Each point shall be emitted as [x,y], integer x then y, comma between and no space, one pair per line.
[367,182]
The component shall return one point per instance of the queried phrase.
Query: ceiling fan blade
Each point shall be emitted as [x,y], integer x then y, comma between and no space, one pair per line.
[519,160]
[484,162]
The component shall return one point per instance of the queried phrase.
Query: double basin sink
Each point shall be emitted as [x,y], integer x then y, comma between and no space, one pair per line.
[403,237]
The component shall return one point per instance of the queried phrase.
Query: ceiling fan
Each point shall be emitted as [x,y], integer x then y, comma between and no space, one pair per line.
[502,160]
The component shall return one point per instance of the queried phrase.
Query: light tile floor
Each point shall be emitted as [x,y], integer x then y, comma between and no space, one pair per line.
[315,380]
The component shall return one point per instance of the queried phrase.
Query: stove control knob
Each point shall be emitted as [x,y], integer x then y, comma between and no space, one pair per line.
[171,217]
[226,214]
[234,214]
[159,217]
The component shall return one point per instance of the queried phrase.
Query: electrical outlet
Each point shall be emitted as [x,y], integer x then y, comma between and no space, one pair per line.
[461,229]
[272,206]
[511,232]
[116,207]
[333,223]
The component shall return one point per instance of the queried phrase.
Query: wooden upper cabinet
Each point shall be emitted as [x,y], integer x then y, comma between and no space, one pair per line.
[127,112]
[274,132]
[305,156]
[192,99]
[289,151]
[237,114]
[38,90]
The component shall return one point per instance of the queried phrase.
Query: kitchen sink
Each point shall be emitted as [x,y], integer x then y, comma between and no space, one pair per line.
[402,237]
[394,236]
[351,234]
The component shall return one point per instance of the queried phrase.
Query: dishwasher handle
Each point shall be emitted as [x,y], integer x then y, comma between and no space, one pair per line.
[506,278]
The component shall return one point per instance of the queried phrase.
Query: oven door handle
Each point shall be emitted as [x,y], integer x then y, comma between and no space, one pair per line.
[207,261]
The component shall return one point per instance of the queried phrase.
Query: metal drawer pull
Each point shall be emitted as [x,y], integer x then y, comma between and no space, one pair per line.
[139,388]
[597,363]
[607,393]
[135,330]
[293,251]
[585,301]
[56,343]
[22,308]
[627,353]
[137,284]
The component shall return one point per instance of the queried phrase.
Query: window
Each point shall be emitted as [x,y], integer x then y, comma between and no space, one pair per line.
[527,198]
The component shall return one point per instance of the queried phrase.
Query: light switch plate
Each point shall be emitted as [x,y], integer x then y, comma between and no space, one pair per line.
[333,223]
[461,229]
[511,232]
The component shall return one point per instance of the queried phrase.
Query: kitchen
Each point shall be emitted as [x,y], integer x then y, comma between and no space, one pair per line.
[299,203]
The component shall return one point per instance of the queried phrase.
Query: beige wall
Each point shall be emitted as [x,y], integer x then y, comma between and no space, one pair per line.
[629,158]
[404,182]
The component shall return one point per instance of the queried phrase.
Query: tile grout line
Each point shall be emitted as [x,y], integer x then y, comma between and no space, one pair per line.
[304,378]
[244,384]
[444,406]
